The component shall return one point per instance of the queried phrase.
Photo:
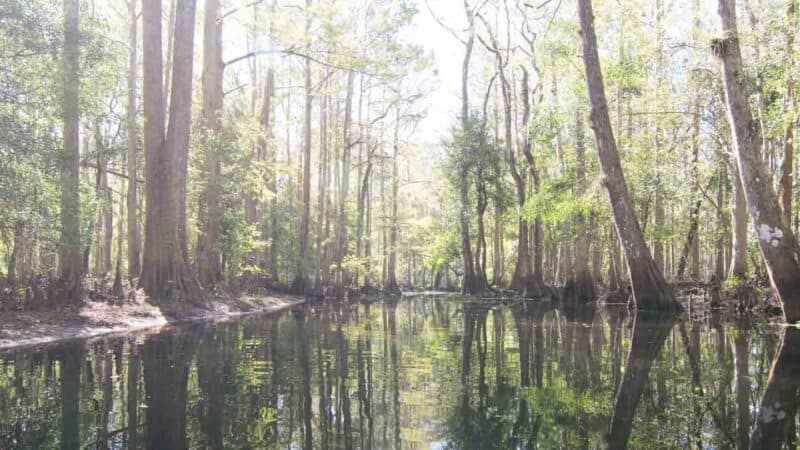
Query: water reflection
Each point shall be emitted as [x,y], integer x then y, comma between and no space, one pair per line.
[427,372]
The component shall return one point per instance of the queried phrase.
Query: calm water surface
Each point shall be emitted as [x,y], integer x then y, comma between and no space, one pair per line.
[416,373]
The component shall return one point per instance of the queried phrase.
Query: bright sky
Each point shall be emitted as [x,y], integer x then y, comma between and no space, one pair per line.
[443,101]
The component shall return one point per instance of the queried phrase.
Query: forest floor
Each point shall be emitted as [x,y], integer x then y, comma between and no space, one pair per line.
[96,318]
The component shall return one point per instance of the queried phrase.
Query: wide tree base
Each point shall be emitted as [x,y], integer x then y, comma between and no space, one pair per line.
[533,287]
[299,285]
[173,283]
[579,291]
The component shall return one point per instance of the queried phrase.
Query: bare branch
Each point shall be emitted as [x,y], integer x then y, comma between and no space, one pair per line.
[443,25]
[238,8]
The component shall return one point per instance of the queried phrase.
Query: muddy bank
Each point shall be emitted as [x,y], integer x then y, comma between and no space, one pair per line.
[25,329]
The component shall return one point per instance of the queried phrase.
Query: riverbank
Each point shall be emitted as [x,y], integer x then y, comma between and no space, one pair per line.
[98,318]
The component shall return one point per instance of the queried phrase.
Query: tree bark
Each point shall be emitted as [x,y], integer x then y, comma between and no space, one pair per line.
[341,220]
[300,281]
[16,253]
[134,234]
[775,239]
[658,200]
[394,226]
[469,281]
[268,148]
[209,258]
[320,277]
[70,262]
[650,291]
[788,133]
[582,285]
[738,266]
[166,274]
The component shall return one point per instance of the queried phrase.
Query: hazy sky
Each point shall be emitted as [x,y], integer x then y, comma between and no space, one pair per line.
[443,101]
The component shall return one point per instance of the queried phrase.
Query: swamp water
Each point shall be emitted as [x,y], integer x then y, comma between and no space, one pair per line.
[416,373]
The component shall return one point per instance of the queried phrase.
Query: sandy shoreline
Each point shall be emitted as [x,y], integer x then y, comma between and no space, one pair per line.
[93,319]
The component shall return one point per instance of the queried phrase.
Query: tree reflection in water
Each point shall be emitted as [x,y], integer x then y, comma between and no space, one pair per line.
[776,423]
[424,372]
[649,333]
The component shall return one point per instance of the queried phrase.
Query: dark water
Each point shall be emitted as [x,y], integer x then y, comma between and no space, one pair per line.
[424,372]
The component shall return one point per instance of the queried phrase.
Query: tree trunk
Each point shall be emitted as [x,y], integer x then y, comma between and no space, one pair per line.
[16,253]
[788,133]
[265,141]
[719,244]
[582,285]
[469,282]
[497,248]
[166,274]
[650,291]
[614,264]
[738,266]
[394,226]
[341,220]
[168,66]
[301,277]
[694,215]
[134,235]
[658,201]
[691,239]
[775,239]
[70,263]
[320,277]
[209,258]
[104,228]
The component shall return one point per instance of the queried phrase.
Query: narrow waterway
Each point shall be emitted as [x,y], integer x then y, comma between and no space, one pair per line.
[419,372]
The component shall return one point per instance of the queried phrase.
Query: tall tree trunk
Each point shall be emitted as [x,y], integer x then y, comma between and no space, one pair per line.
[658,201]
[775,239]
[134,234]
[320,276]
[788,133]
[394,226]
[650,291]
[691,250]
[582,284]
[171,10]
[469,282]
[341,220]
[719,244]
[70,262]
[104,231]
[738,267]
[166,274]
[268,147]
[614,264]
[535,284]
[301,277]
[209,258]
[16,253]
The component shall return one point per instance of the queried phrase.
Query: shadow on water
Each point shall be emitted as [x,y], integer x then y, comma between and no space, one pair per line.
[424,372]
